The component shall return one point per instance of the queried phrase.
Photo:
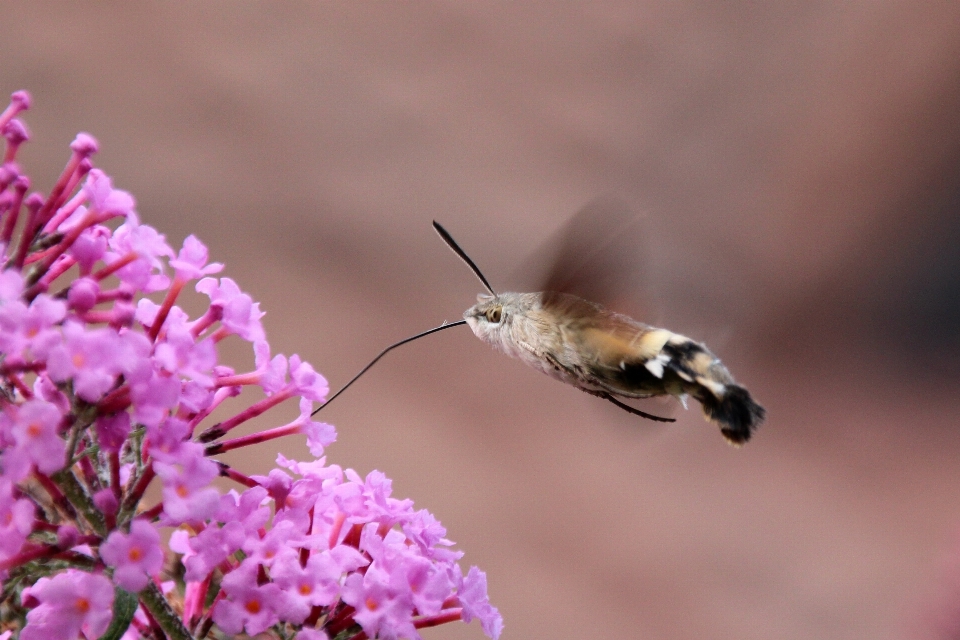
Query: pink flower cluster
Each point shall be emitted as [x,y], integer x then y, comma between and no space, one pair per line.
[104,392]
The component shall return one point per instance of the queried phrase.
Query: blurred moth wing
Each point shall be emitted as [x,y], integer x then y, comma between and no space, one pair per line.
[599,351]
[598,254]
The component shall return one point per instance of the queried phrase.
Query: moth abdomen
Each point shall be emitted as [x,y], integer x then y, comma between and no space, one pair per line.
[724,402]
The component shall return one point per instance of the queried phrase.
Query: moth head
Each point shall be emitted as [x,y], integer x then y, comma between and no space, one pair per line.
[487,317]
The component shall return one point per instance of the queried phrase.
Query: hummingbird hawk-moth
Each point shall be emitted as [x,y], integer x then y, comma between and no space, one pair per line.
[607,354]
[604,353]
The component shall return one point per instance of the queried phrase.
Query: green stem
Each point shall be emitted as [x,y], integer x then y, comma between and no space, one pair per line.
[78,496]
[154,602]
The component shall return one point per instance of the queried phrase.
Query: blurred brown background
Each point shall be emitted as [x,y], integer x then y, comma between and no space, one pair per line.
[797,167]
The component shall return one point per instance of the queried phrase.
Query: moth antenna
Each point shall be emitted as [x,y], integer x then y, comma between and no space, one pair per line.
[383,353]
[463,256]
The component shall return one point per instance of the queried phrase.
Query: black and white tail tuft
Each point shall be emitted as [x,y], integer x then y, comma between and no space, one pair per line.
[724,402]
[735,411]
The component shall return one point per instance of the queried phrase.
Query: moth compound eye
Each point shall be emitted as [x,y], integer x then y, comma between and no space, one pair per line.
[493,315]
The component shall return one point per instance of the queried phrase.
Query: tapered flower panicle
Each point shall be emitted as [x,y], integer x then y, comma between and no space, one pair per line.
[105,392]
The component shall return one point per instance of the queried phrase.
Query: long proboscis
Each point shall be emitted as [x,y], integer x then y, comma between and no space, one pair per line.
[462,254]
[445,325]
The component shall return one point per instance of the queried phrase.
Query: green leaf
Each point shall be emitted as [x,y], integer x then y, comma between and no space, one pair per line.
[124,606]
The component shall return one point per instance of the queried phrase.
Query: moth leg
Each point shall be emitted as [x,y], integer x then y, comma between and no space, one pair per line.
[553,361]
[628,408]
[636,411]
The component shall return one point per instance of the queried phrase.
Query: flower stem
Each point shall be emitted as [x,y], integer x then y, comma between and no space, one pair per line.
[154,601]
[135,493]
[221,428]
[90,219]
[56,495]
[19,189]
[165,307]
[445,616]
[253,438]
[116,265]
[226,471]
[77,495]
